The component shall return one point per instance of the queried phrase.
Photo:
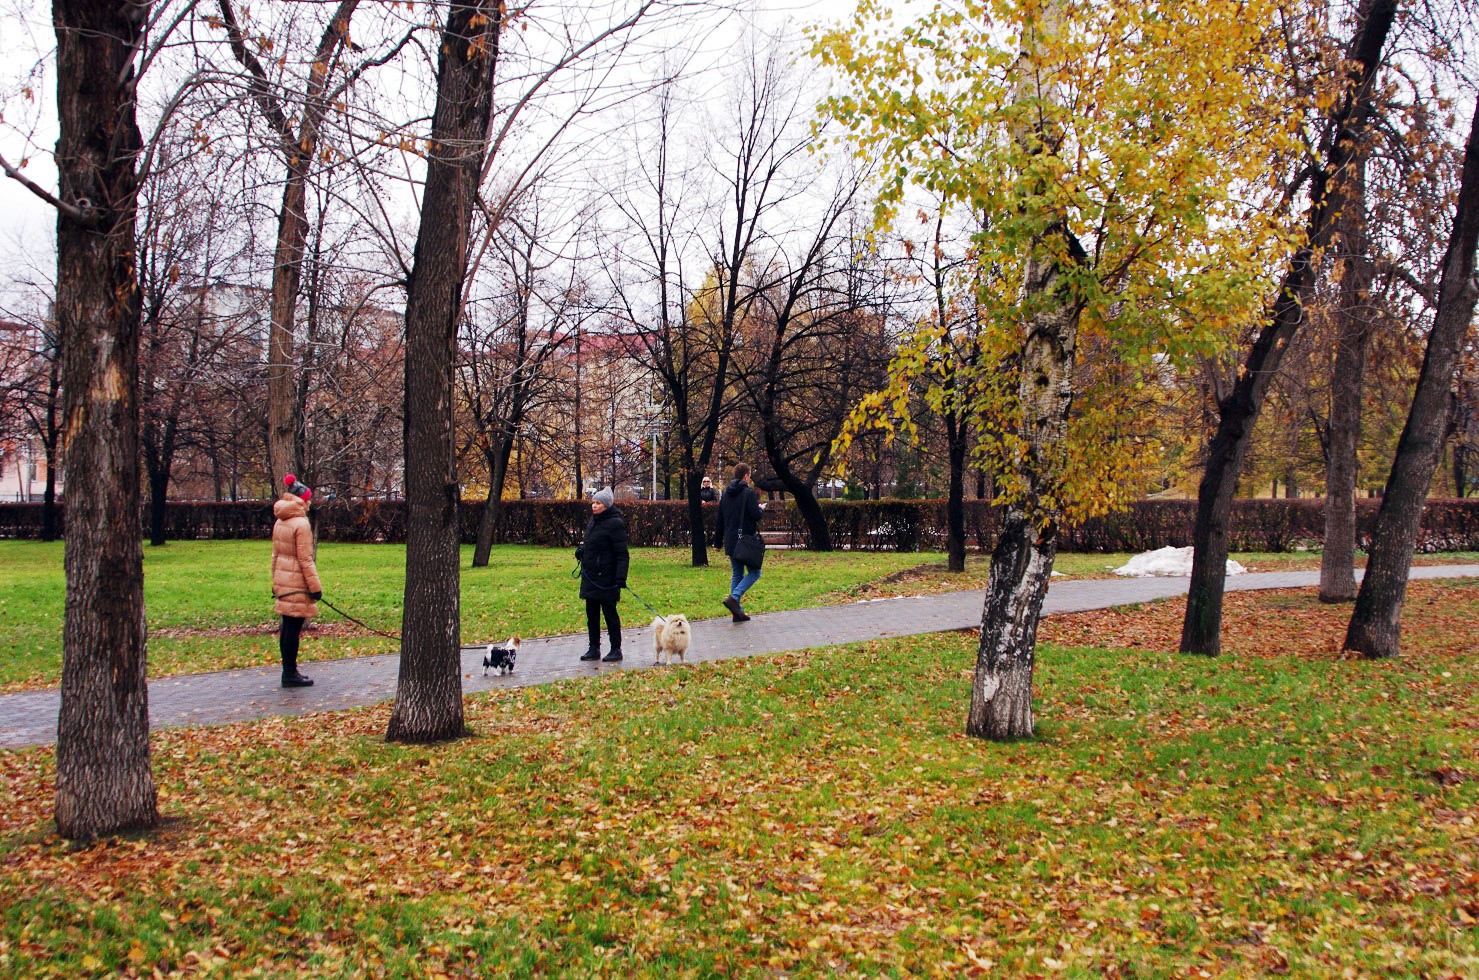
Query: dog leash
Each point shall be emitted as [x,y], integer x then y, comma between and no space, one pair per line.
[358,622]
[647,604]
[579,572]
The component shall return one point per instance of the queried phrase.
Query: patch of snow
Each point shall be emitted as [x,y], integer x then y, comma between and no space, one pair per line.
[1166,562]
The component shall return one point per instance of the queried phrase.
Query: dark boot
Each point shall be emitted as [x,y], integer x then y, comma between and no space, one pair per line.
[613,657]
[290,675]
[591,654]
[732,604]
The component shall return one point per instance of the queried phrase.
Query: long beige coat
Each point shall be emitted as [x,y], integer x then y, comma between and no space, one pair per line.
[293,573]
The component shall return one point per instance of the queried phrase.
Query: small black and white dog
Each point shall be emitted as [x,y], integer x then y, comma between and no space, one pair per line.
[501,659]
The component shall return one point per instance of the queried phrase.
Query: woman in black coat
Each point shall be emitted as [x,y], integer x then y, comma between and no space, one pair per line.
[603,574]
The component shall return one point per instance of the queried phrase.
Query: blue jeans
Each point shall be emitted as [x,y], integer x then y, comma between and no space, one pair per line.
[741,577]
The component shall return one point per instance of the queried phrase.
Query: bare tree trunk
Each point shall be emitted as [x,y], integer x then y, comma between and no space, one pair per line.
[285,452]
[158,489]
[1460,471]
[955,436]
[499,433]
[1001,696]
[496,458]
[159,465]
[1022,562]
[699,552]
[1461,428]
[1353,335]
[48,503]
[159,410]
[428,699]
[1376,624]
[305,457]
[104,780]
[818,535]
[284,412]
[954,418]
[1201,630]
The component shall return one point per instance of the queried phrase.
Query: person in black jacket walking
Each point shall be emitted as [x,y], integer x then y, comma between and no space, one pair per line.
[740,511]
[603,574]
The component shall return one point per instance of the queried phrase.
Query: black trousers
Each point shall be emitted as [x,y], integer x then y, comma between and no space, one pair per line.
[593,612]
[287,642]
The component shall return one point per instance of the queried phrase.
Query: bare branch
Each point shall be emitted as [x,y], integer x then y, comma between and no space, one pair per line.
[260,85]
[81,216]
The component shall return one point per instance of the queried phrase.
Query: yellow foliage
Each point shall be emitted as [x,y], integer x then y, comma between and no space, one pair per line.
[1152,131]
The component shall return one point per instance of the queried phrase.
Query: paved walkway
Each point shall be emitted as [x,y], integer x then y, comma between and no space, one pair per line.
[29,717]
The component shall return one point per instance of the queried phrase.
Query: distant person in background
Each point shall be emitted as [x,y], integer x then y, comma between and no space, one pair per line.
[604,559]
[295,585]
[740,511]
[707,493]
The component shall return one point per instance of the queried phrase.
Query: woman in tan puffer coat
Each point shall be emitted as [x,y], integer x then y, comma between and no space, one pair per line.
[295,585]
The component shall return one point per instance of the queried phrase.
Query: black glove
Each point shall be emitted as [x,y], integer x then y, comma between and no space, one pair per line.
[315,596]
[580,554]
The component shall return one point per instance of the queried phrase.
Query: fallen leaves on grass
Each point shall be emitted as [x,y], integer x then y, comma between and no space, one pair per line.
[805,815]
[1440,620]
[935,577]
[1449,776]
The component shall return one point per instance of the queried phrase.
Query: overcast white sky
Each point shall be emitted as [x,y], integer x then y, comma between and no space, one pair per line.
[26,223]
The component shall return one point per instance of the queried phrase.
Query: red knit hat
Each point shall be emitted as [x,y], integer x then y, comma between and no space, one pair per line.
[299,489]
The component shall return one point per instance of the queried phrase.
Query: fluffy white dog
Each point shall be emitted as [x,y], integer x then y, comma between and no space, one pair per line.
[670,638]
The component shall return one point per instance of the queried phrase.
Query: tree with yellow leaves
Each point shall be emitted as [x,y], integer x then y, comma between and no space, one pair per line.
[1120,154]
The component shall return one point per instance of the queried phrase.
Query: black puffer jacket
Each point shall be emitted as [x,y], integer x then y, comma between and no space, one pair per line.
[604,557]
[739,513]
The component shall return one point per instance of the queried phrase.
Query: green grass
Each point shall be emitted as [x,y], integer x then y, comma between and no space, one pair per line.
[804,815]
[527,591]
[209,606]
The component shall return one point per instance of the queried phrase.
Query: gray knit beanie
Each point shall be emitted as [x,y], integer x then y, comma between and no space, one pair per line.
[604,497]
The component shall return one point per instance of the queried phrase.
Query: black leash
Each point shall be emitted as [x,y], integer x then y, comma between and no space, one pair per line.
[649,605]
[358,622]
[579,572]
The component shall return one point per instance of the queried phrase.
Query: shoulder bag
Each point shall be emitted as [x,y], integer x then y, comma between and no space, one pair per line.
[749,549]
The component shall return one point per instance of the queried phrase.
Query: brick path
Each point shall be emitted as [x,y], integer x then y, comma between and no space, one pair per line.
[29,717]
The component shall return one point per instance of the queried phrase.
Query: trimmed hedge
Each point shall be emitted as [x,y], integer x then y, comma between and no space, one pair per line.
[1255,525]
[873,525]
[558,523]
